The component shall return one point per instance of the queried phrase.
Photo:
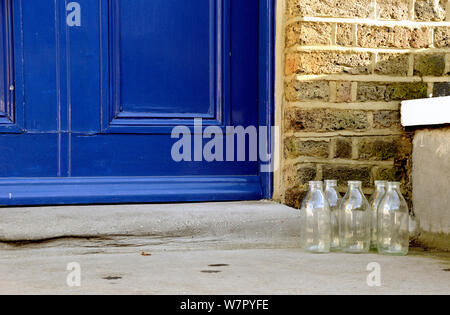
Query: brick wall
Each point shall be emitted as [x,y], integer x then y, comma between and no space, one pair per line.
[348,65]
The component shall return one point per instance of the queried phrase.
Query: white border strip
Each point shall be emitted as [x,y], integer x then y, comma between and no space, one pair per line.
[431,111]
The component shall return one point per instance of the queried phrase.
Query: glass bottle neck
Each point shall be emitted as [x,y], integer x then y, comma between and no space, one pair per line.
[316,185]
[393,186]
[330,184]
[380,184]
[354,185]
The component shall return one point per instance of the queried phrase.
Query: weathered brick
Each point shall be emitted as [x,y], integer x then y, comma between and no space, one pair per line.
[392,174]
[392,64]
[441,89]
[306,173]
[295,147]
[429,64]
[386,119]
[400,172]
[345,173]
[291,64]
[371,92]
[343,91]
[442,37]
[343,148]
[299,91]
[420,38]
[374,91]
[290,176]
[294,197]
[325,120]
[393,9]
[384,149]
[305,33]
[388,174]
[330,8]
[344,35]
[328,63]
[398,37]
[430,10]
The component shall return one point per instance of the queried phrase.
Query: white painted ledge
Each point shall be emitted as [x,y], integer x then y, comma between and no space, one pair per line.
[422,112]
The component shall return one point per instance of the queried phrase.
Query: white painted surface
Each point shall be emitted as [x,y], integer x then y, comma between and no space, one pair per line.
[422,112]
[431,179]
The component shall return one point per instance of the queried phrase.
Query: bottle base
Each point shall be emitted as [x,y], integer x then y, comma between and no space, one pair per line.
[357,249]
[349,251]
[318,250]
[392,253]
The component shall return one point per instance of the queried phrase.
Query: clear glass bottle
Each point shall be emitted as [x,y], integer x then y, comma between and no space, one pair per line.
[378,195]
[393,222]
[316,220]
[354,221]
[334,199]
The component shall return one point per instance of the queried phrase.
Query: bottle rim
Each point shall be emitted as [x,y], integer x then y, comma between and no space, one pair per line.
[380,182]
[394,184]
[331,182]
[315,183]
[355,182]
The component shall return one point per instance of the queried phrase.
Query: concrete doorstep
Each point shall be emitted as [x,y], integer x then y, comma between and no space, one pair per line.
[265,223]
[209,248]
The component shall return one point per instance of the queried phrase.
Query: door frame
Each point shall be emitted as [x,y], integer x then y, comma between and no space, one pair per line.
[267,30]
[39,191]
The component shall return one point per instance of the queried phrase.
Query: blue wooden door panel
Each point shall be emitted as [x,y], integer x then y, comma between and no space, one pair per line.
[165,51]
[7,109]
[28,155]
[82,82]
[164,70]
[28,78]
[90,114]
[4,64]
[117,155]
[167,65]
[40,67]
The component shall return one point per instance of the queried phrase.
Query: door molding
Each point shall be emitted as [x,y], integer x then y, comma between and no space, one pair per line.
[267,83]
[11,118]
[104,190]
[116,120]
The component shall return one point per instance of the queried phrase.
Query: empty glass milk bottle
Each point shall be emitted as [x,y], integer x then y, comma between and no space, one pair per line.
[334,199]
[354,220]
[393,222]
[380,190]
[316,220]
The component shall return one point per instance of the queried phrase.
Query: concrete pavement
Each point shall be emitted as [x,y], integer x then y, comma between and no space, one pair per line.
[133,266]
[231,248]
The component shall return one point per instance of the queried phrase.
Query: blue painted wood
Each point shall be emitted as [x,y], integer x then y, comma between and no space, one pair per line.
[266,59]
[177,48]
[127,190]
[28,155]
[7,109]
[192,42]
[89,101]
[40,62]
[142,155]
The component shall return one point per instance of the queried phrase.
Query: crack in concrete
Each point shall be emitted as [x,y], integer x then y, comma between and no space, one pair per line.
[95,238]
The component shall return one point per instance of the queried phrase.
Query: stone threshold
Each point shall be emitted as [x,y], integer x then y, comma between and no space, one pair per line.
[252,224]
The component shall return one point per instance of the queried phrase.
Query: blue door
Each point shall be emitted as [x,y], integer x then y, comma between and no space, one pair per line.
[91,92]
